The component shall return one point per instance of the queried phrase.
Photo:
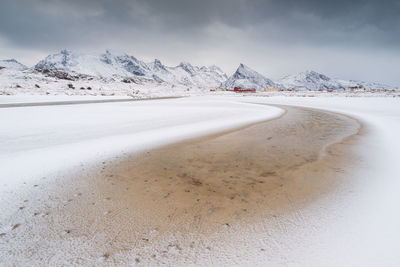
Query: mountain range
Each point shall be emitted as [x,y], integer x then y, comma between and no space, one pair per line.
[111,64]
[314,81]
[247,78]
[71,65]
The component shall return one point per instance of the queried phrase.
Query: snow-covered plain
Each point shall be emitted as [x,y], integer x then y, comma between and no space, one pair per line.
[355,225]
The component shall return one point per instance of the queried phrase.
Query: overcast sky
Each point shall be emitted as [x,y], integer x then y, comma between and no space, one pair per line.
[349,39]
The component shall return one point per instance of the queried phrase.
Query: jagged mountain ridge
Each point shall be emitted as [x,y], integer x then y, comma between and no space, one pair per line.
[122,67]
[12,64]
[247,78]
[310,80]
[112,64]
[314,81]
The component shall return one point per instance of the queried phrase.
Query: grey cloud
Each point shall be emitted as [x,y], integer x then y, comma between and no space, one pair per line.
[189,28]
[59,21]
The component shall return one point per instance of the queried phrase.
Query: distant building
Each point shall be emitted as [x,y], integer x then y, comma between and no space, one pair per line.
[242,90]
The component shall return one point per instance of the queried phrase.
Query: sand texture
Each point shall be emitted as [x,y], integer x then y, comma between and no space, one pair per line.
[177,203]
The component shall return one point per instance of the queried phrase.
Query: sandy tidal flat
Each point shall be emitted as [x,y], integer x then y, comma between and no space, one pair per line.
[178,203]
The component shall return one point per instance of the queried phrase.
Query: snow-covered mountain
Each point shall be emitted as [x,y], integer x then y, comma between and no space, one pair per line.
[247,78]
[12,64]
[111,64]
[188,75]
[103,65]
[310,80]
[366,85]
[314,81]
[118,73]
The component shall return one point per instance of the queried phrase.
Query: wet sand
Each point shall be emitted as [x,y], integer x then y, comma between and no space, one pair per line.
[164,205]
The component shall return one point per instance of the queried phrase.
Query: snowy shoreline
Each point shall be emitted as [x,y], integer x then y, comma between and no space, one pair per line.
[356,225]
[65,191]
[58,137]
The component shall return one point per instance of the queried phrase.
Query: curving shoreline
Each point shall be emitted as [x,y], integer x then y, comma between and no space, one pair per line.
[168,201]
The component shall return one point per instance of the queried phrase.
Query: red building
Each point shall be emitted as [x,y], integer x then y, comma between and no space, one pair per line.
[241,90]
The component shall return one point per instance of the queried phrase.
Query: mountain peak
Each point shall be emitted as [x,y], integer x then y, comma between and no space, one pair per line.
[243,68]
[310,80]
[10,60]
[157,62]
[12,64]
[247,78]
[115,53]
[313,76]
[158,66]
[243,72]
[65,51]
[187,67]
[185,63]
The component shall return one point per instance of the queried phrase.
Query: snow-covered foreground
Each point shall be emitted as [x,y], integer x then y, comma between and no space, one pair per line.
[37,141]
[357,224]
[15,99]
